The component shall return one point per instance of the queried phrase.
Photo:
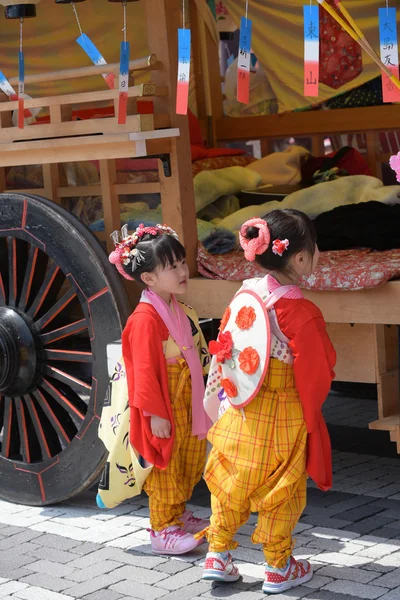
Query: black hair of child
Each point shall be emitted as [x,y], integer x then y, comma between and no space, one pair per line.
[157,251]
[289,224]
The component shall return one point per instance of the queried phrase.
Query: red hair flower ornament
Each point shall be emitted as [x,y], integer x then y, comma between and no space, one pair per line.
[279,246]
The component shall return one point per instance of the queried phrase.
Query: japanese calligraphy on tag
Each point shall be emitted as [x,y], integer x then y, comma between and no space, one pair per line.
[123,83]
[244,58]
[389,52]
[311,50]
[97,59]
[182,89]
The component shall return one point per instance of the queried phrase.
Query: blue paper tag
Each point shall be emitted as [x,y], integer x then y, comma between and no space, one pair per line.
[87,45]
[387,27]
[246,26]
[124,58]
[184,46]
[21,73]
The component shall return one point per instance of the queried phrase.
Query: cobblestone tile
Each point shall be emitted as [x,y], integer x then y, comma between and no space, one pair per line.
[181,579]
[103,595]
[10,587]
[45,566]
[39,593]
[57,542]
[50,582]
[141,590]
[392,595]
[390,580]
[359,590]
[368,525]
[98,583]
[100,568]
[348,573]
[232,592]
[173,566]
[346,560]
[54,555]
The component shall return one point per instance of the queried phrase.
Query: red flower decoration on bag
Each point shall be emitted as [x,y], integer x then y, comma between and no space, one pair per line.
[225,318]
[249,360]
[245,317]
[222,348]
[229,387]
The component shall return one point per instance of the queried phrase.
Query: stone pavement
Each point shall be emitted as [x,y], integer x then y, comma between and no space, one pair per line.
[351,534]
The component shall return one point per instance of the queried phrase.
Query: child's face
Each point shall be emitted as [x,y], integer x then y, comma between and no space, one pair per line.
[171,279]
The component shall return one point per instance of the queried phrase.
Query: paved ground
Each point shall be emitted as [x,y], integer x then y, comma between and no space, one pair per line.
[351,534]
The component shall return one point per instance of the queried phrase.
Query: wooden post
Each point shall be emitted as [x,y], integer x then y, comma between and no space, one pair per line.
[163,19]
[51,181]
[111,211]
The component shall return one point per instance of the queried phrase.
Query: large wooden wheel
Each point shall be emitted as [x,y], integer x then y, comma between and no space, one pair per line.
[61,303]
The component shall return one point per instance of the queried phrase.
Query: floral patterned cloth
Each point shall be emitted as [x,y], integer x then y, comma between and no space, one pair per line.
[340,55]
[337,270]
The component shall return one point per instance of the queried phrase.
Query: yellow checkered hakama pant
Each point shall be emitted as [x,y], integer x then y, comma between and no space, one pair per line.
[257,464]
[169,489]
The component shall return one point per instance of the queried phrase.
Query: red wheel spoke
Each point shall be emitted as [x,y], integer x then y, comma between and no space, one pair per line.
[68,355]
[73,382]
[45,406]
[51,275]
[56,309]
[37,425]
[62,399]
[63,332]
[23,430]
[29,274]
[2,292]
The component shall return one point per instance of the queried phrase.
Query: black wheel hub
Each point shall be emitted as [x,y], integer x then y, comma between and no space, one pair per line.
[18,357]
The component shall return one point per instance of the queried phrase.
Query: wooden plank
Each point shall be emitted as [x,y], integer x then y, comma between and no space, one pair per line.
[134,123]
[388,394]
[380,305]
[177,193]
[354,346]
[68,150]
[350,120]
[137,188]
[386,424]
[147,62]
[143,89]
[81,190]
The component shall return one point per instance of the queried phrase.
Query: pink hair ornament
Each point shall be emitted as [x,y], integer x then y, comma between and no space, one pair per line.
[256,245]
[394,163]
[126,251]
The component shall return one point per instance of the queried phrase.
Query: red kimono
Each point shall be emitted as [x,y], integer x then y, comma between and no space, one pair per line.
[314,359]
[146,372]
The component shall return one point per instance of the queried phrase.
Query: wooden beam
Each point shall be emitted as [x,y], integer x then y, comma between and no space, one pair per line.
[380,305]
[350,120]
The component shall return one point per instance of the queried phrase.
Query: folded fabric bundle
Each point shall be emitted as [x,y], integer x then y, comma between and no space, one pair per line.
[211,185]
[321,198]
[280,168]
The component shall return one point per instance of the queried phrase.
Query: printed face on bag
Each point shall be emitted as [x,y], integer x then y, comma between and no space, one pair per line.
[171,279]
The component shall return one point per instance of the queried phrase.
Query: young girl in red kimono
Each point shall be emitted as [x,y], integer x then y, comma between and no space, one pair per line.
[165,357]
[263,450]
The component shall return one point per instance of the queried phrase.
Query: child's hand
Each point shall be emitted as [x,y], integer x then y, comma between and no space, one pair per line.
[161,428]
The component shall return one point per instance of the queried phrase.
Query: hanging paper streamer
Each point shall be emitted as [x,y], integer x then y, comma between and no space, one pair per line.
[182,90]
[244,58]
[21,89]
[123,83]
[87,45]
[311,50]
[389,52]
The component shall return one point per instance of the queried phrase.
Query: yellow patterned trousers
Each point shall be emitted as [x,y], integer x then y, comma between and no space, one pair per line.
[169,489]
[257,464]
